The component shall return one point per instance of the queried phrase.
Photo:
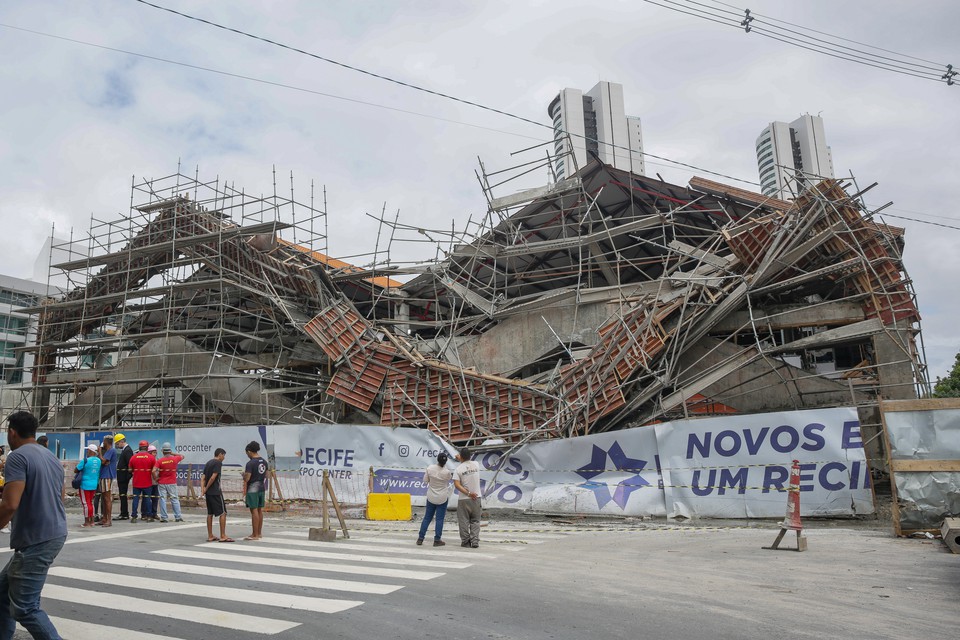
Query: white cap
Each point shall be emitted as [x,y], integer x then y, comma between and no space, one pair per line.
[93,447]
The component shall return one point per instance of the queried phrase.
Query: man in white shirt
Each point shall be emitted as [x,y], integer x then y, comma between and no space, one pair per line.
[466,478]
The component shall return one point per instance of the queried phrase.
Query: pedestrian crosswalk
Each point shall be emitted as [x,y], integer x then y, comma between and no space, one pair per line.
[181,590]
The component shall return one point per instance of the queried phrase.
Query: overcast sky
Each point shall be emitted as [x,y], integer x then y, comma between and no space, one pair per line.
[79,122]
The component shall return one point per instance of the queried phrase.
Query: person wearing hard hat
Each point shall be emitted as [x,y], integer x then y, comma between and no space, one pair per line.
[141,469]
[154,489]
[124,453]
[90,467]
[165,475]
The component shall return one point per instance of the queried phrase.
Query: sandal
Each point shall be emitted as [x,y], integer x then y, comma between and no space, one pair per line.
[227,540]
[211,539]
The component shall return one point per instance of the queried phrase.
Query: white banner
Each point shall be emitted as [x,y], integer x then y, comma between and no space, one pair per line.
[398,457]
[725,467]
[608,473]
[739,466]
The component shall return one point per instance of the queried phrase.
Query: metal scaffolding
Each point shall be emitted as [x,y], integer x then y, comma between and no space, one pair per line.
[602,301]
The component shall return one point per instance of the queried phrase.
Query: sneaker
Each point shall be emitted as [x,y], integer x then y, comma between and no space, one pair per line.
[5,529]
[164,521]
[419,541]
[121,517]
[439,543]
[133,519]
[179,520]
[475,545]
[96,519]
[464,544]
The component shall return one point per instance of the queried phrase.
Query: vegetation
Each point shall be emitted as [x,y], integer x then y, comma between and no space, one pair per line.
[949,387]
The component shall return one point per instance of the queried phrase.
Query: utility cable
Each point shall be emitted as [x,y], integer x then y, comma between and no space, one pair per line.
[436,93]
[865,54]
[830,35]
[943,75]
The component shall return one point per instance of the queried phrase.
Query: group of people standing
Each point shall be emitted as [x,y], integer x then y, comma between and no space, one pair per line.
[466,478]
[154,480]
[33,495]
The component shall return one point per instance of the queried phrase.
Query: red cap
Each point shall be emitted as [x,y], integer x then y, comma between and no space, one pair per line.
[144,443]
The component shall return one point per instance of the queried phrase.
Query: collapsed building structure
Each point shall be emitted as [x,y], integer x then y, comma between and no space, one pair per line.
[604,301]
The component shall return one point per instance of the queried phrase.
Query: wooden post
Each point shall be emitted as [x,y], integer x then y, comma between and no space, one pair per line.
[370,481]
[324,534]
[276,483]
[323,500]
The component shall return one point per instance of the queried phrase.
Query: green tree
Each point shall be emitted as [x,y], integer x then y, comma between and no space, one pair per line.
[949,387]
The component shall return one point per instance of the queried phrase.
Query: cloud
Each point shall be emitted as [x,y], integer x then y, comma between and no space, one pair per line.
[79,122]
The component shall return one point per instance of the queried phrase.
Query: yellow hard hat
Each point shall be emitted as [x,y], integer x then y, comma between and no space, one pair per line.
[119,437]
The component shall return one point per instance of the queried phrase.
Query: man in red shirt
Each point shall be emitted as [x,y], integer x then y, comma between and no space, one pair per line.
[165,473]
[141,466]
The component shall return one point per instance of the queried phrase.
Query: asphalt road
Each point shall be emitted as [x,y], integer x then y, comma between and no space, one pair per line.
[531,579]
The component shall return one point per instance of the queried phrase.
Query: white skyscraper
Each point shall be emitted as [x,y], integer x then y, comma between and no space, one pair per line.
[791,156]
[595,121]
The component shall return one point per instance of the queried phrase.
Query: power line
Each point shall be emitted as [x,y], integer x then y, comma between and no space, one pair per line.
[823,33]
[935,224]
[865,54]
[437,93]
[273,83]
[867,59]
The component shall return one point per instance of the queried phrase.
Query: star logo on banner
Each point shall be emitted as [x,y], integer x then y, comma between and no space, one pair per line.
[597,466]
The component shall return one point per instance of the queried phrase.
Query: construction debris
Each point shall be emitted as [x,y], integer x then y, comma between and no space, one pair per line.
[606,301]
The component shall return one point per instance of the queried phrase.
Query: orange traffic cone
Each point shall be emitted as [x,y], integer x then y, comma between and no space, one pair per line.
[792,521]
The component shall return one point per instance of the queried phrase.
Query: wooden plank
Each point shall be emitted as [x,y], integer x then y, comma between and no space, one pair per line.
[929,404]
[924,465]
[950,532]
[894,500]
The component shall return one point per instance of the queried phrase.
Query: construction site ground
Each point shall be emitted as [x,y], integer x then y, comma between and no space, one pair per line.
[629,578]
[541,576]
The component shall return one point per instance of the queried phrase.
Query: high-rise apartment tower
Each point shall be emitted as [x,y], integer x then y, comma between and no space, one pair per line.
[595,121]
[793,156]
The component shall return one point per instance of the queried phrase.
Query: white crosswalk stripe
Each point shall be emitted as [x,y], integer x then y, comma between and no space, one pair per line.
[269,598]
[257,576]
[80,630]
[385,572]
[184,612]
[453,544]
[407,549]
[211,585]
[332,555]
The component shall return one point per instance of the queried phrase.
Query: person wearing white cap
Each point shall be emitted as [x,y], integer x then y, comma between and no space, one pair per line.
[165,475]
[90,466]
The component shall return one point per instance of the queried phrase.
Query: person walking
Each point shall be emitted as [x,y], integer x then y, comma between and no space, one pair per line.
[254,483]
[437,478]
[124,453]
[108,474]
[466,478]
[211,491]
[165,475]
[90,480]
[33,501]
[141,467]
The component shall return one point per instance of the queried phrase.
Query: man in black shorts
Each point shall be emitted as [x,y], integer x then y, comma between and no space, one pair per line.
[210,487]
